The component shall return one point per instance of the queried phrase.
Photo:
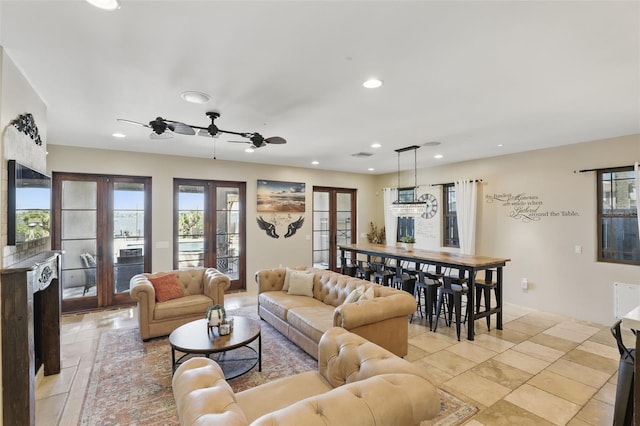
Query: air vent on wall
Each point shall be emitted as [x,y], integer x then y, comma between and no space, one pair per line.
[362,154]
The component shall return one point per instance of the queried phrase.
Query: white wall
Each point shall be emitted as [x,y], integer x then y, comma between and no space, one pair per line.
[543,251]
[262,251]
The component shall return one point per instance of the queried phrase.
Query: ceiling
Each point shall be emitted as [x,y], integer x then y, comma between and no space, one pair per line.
[471,75]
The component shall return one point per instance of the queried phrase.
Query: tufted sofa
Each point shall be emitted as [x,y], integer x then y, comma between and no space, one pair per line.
[201,287]
[382,320]
[357,382]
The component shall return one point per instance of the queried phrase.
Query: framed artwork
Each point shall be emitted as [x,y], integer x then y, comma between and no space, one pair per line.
[280,197]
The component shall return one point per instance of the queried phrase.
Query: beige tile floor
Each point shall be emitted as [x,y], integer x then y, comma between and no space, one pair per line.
[541,369]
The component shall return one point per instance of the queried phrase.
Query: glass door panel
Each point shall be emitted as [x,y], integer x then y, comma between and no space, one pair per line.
[227,231]
[321,231]
[78,237]
[128,230]
[333,224]
[191,243]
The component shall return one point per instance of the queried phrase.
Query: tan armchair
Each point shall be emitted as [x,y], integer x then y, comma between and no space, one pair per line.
[202,288]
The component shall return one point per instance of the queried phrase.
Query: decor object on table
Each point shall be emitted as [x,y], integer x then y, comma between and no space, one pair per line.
[201,287]
[215,314]
[406,208]
[164,129]
[353,376]
[304,318]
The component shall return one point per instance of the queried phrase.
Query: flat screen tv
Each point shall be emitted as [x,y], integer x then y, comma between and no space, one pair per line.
[29,204]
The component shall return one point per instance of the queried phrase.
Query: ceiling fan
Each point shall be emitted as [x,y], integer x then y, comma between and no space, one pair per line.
[163,128]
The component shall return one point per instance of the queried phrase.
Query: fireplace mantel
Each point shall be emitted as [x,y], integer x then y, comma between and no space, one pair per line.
[30,323]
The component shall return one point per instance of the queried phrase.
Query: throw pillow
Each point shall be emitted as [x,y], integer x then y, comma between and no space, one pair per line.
[167,287]
[355,295]
[287,278]
[367,295]
[301,284]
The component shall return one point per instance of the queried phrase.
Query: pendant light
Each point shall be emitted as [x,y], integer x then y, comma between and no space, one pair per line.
[411,208]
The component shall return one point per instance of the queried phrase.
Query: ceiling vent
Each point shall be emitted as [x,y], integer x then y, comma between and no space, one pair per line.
[362,154]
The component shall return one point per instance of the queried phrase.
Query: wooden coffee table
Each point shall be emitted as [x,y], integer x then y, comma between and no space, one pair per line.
[234,355]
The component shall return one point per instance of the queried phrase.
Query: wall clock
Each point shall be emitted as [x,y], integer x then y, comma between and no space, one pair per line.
[432,205]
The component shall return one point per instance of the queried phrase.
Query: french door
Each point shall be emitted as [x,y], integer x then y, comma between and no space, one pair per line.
[210,227]
[102,224]
[334,213]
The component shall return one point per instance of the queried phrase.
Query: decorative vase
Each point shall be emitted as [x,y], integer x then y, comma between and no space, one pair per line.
[408,247]
[214,318]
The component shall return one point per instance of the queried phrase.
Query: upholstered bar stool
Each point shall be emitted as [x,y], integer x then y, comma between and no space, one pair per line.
[454,293]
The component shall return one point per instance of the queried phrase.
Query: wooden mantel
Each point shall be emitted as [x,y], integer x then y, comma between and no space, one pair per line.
[30,324]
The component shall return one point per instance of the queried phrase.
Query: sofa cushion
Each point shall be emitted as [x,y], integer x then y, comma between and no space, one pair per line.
[311,321]
[301,284]
[368,294]
[354,295]
[187,305]
[281,393]
[167,287]
[279,302]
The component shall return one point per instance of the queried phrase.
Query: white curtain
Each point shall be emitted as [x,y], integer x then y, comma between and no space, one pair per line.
[466,207]
[636,168]
[390,221]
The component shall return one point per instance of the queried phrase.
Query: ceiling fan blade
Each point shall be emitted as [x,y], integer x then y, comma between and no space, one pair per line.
[163,135]
[181,128]
[135,123]
[241,142]
[276,140]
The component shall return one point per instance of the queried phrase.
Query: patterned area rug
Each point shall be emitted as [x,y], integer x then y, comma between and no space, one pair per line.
[130,383]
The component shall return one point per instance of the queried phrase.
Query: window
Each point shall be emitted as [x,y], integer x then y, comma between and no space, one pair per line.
[405,224]
[450,216]
[617,216]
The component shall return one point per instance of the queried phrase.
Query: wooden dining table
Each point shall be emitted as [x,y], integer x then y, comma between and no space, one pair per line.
[466,264]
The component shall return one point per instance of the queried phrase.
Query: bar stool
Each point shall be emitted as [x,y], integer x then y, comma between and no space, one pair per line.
[427,284]
[402,280]
[483,288]
[380,274]
[454,293]
[363,270]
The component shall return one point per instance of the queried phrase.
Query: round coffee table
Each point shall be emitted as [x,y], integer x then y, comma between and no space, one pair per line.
[235,356]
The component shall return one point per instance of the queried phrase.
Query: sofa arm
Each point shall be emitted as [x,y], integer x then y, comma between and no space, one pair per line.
[345,357]
[352,315]
[215,284]
[203,397]
[390,399]
[141,289]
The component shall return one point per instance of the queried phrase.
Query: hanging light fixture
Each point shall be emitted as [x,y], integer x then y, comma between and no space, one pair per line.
[413,208]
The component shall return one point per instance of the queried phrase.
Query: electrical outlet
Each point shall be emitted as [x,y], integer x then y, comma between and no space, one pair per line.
[524,284]
[578,249]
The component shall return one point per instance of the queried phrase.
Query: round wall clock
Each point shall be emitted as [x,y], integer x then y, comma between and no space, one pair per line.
[432,205]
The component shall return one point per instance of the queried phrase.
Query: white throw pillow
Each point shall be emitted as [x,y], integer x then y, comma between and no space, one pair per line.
[287,278]
[367,295]
[301,283]
[355,295]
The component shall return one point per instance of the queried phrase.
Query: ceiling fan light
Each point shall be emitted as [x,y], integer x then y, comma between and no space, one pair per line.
[195,97]
[105,4]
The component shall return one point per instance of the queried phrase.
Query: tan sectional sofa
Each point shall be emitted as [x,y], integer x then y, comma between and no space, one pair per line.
[202,288]
[302,319]
[357,382]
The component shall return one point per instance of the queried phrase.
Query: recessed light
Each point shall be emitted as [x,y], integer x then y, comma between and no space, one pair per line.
[432,143]
[438,156]
[105,4]
[249,150]
[371,169]
[315,163]
[376,145]
[118,135]
[500,145]
[195,97]
[372,83]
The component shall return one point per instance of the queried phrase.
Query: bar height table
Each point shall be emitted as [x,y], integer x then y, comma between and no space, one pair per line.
[463,262]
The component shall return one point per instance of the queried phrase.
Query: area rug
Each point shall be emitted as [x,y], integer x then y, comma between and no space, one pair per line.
[130,383]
